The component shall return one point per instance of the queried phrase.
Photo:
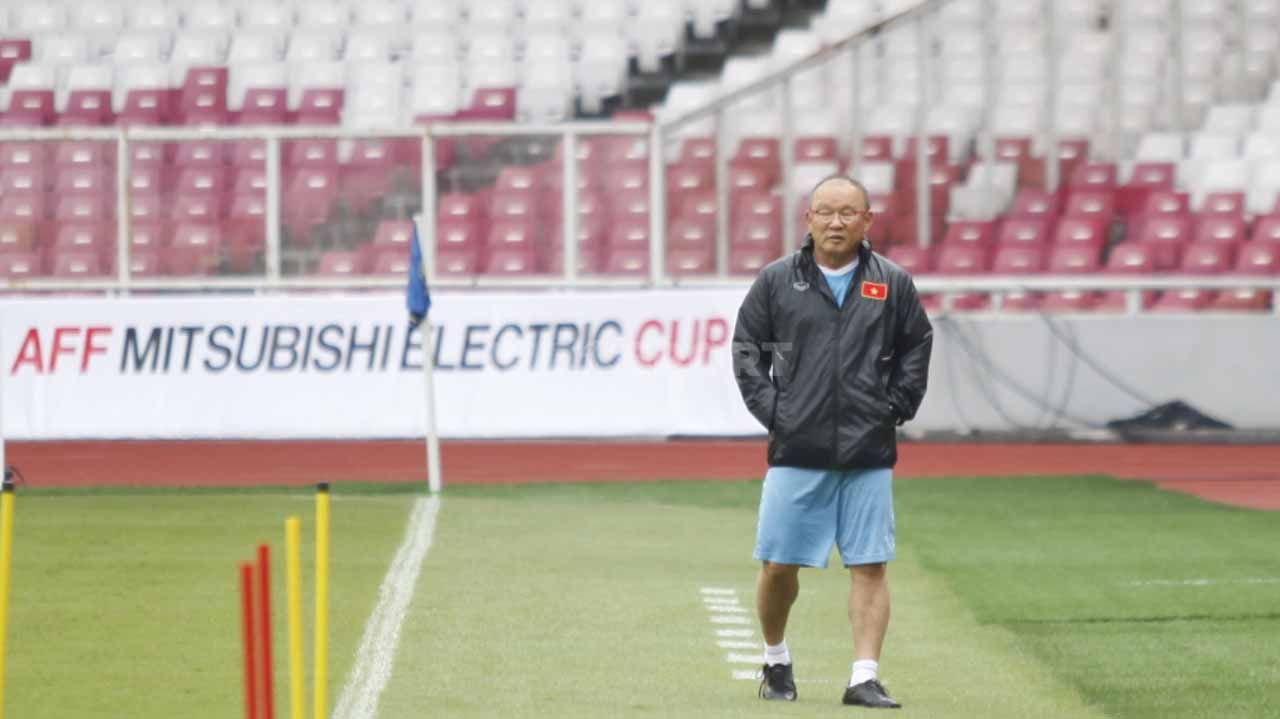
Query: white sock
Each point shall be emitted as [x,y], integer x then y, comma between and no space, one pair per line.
[777,654]
[863,670]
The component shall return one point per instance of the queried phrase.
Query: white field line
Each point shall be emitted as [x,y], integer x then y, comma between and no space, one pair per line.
[372,670]
[723,608]
[1201,582]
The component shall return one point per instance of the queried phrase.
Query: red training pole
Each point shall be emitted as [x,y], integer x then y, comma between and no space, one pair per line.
[264,628]
[250,675]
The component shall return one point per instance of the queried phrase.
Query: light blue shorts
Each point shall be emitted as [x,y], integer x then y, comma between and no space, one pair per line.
[804,512]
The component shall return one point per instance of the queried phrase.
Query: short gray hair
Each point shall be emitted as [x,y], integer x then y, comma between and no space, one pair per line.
[839,177]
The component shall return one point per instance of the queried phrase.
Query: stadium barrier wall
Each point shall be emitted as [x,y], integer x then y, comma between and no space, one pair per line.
[601,364]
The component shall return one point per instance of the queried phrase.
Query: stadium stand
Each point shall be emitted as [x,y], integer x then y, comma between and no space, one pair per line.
[1005,86]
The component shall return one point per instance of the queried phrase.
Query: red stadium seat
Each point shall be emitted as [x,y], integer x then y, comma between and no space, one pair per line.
[459,235]
[264,106]
[685,177]
[76,264]
[23,207]
[1259,258]
[83,181]
[970,232]
[320,106]
[691,234]
[148,106]
[1208,258]
[1188,300]
[201,155]
[1018,260]
[1224,204]
[1035,203]
[32,155]
[514,235]
[92,237]
[627,261]
[17,236]
[630,235]
[19,265]
[1166,236]
[1089,232]
[83,208]
[491,103]
[452,262]
[699,152]
[912,258]
[1128,258]
[1267,229]
[1091,204]
[877,148]
[964,260]
[30,108]
[189,259]
[691,261]
[510,261]
[1072,259]
[1220,228]
[196,207]
[1093,176]
[340,263]
[312,153]
[307,202]
[634,204]
[1243,299]
[79,153]
[397,233]
[1146,178]
[816,149]
[1167,202]
[1022,231]
[245,230]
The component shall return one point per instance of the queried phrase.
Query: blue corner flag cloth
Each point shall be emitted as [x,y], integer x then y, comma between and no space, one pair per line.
[419,298]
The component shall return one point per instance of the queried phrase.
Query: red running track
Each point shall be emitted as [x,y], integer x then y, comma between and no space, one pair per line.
[1247,475]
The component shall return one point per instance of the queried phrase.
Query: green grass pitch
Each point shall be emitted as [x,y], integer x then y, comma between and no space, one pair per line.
[1037,597]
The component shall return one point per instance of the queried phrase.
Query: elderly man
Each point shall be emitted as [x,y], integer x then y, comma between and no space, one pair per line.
[831,354]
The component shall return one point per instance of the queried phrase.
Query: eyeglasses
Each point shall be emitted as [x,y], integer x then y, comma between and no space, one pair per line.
[847,214]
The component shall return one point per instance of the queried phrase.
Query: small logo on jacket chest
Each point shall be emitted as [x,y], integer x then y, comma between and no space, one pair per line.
[800,286]
[875,290]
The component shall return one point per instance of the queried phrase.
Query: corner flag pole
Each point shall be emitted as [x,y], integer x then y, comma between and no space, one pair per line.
[428,370]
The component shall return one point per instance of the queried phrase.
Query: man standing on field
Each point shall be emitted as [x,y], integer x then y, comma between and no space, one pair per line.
[831,354]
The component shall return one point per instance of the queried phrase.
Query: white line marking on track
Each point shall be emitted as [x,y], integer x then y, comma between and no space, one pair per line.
[715,601]
[728,619]
[734,632]
[374,658]
[739,658]
[719,590]
[727,609]
[736,644]
[746,674]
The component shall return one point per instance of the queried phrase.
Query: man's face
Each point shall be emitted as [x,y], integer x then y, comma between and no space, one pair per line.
[838,217]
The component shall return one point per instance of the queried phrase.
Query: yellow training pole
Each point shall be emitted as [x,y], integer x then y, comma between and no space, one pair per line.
[322,602]
[6,564]
[293,572]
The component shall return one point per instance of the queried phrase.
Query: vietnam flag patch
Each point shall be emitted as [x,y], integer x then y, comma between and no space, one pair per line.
[875,291]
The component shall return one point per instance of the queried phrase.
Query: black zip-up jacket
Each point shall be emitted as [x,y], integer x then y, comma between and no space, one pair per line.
[832,383]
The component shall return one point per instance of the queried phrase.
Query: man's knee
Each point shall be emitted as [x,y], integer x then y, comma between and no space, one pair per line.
[871,572]
[773,570]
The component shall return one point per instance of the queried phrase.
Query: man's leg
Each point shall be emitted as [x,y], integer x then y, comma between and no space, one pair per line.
[869,616]
[777,587]
[868,609]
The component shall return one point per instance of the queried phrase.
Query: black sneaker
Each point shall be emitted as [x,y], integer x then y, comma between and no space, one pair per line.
[777,683]
[870,693]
